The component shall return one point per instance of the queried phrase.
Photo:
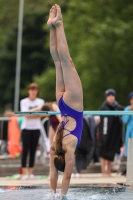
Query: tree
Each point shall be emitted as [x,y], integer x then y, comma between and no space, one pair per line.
[34,56]
[99,35]
[35,51]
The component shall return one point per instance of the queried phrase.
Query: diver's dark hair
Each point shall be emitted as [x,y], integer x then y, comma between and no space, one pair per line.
[59,156]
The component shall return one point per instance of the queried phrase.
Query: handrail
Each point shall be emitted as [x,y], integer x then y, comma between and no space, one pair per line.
[107,113]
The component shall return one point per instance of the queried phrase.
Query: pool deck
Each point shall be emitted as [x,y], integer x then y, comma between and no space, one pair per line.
[85,179]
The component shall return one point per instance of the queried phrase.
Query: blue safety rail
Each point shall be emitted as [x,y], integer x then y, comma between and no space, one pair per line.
[107,113]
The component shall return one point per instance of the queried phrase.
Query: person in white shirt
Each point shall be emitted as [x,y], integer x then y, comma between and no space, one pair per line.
[31,126]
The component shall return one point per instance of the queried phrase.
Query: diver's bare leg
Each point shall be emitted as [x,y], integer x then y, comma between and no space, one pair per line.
[60,87]
[53,172]
[73,95]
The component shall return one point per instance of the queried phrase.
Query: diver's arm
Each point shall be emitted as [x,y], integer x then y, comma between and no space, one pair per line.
[53,172]
[69,163]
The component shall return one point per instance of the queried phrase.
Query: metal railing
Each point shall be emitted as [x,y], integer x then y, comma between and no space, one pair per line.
[106,113]
[100,113]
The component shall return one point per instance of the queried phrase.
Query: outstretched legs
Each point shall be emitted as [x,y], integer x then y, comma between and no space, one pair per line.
[60,87]
[73,89]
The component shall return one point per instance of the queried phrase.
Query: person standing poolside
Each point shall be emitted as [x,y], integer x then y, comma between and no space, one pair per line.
[69,96]
[31,126]
[128,120]
[110,133]
[53,119]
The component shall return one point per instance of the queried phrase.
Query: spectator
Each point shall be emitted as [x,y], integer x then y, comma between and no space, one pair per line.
[54,119]
[110,133]
[31,126]
[128,120]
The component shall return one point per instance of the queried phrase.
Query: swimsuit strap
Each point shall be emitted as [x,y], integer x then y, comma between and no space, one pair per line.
[66,129]
[63,126]
[64,123]
[66,135]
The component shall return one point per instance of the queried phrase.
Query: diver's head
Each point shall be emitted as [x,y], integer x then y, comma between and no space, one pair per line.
[59,160]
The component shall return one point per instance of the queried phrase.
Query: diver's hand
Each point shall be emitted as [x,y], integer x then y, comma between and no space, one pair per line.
[63,198]
[52,195]
[60,197]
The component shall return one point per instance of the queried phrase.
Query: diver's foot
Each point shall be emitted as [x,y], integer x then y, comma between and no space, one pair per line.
[57,20]
[52,14]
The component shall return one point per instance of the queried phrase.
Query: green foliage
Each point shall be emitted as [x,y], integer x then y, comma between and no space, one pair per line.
[47,84]
[99,35]
[35,50]
[34,56]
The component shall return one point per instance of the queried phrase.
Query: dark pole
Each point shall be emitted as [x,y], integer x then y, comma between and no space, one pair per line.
[18,56]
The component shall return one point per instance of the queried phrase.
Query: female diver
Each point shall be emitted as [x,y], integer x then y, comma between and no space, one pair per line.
[69,96]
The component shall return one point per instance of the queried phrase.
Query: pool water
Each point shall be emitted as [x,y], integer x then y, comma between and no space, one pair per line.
[74,193]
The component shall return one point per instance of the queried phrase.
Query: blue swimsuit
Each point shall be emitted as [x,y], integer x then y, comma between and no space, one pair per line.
[78,116]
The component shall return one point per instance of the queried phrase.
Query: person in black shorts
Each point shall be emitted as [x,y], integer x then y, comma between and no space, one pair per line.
[30,127]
